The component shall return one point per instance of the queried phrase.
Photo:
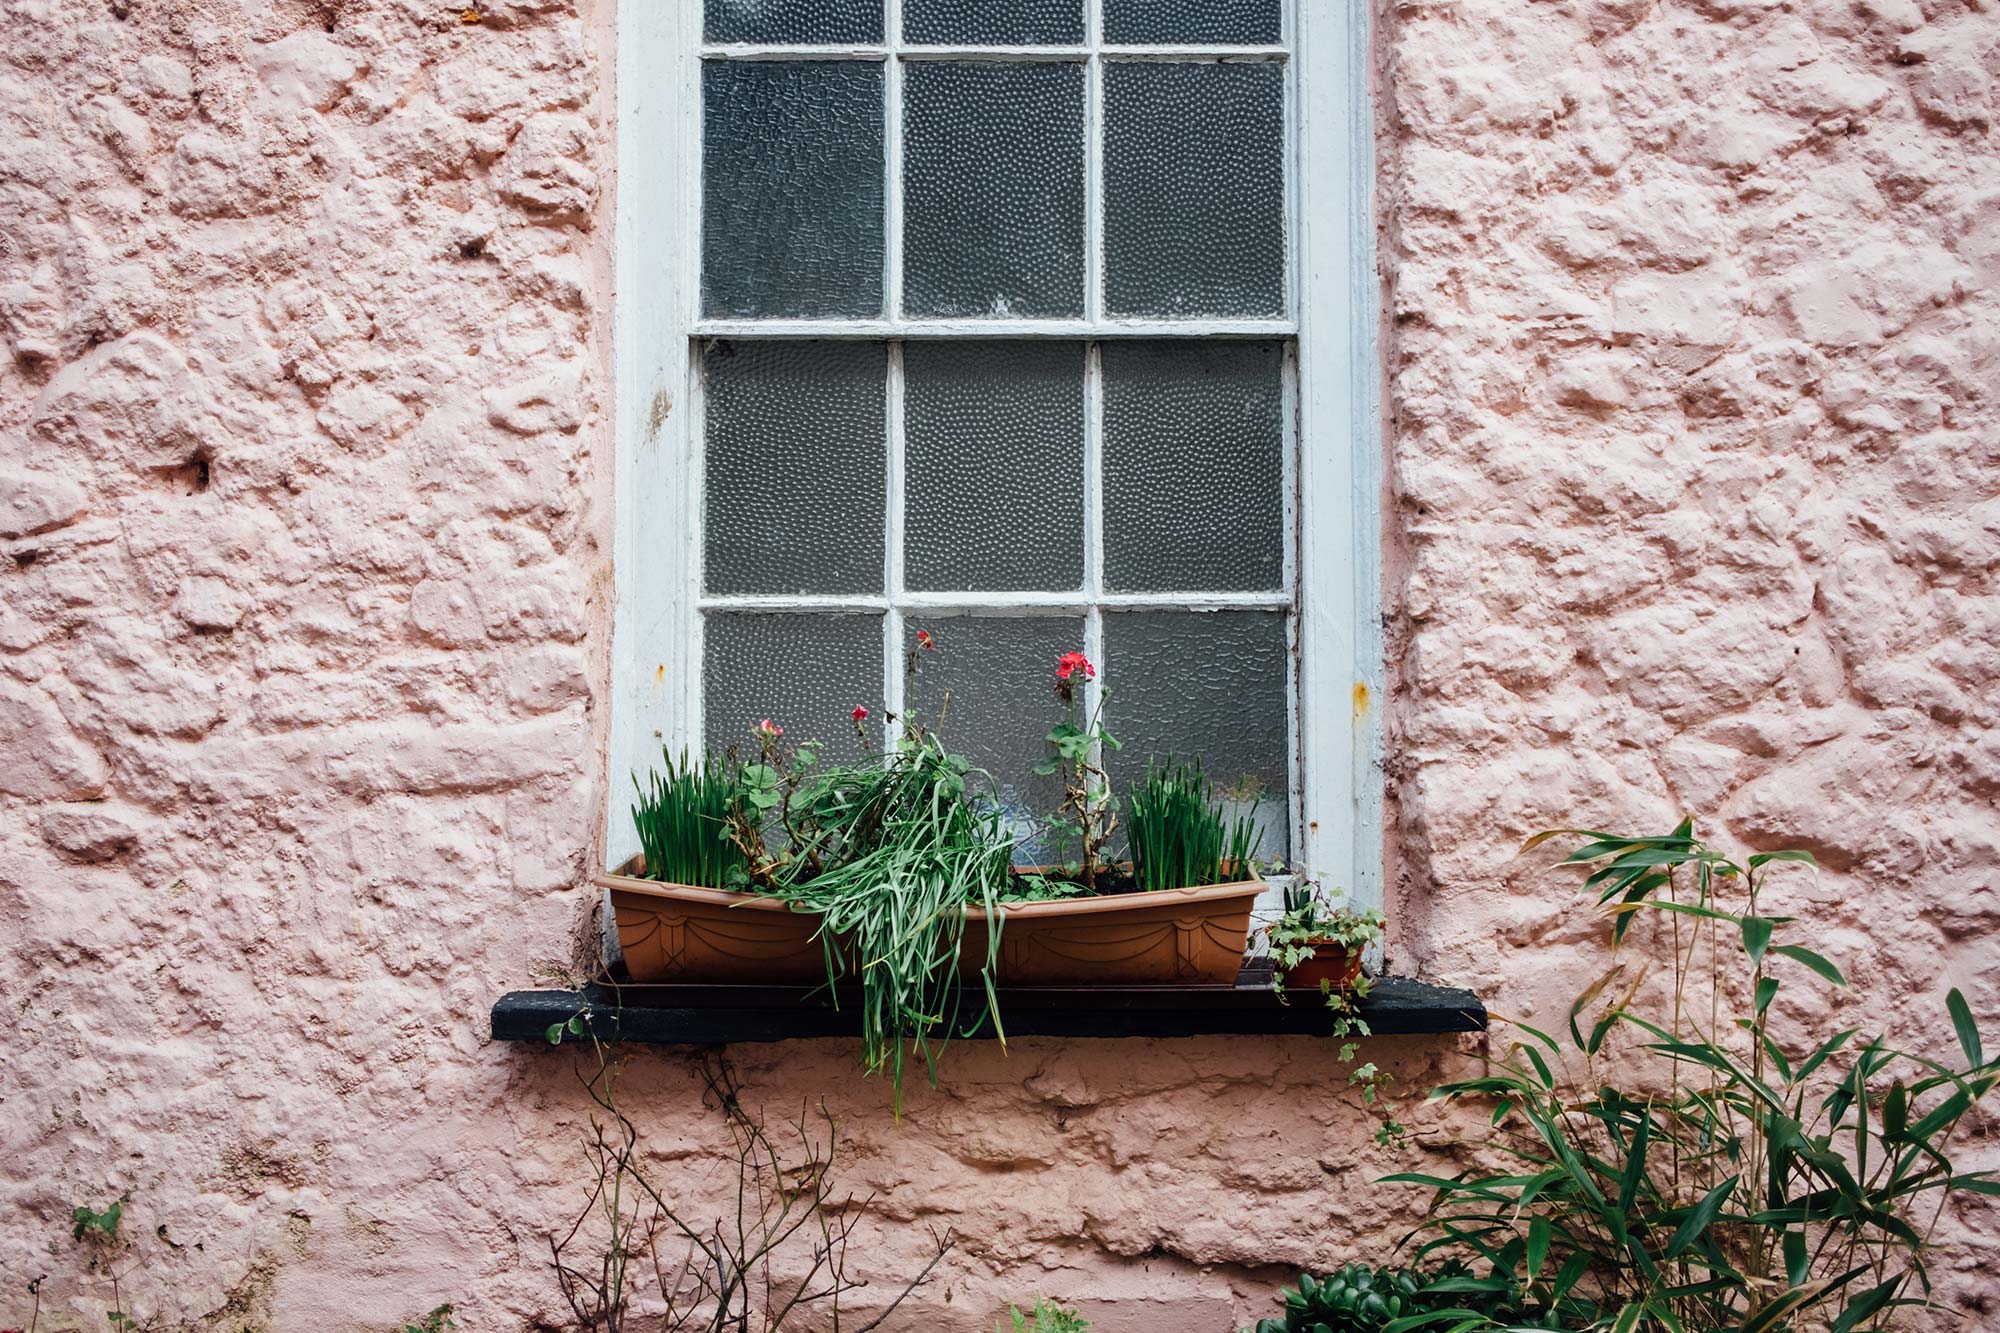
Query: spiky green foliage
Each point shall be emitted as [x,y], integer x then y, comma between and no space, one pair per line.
[1179,833]
[683,821]
[1708,1161]
[902,846]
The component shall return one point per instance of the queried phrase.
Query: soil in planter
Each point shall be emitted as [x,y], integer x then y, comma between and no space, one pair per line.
[1111,882]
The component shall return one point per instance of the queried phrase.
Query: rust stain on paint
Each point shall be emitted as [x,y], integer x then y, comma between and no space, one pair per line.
[660,676]
[1360,699]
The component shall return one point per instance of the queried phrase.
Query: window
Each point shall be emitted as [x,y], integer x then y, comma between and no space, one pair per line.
[1037,324]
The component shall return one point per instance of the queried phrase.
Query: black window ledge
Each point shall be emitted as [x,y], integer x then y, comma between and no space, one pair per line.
[717,1015]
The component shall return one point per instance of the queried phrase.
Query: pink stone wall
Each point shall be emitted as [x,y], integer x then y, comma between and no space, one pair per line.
[305,516]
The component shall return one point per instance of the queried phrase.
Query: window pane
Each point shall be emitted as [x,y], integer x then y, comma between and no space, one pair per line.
[1194,180]
[787,21]
[795,467]
[792,188]
[1001,673]
[992,22]
[993,189]
[1193,22]
[1207,685]
[1194,481]
[993,465]
[804,672]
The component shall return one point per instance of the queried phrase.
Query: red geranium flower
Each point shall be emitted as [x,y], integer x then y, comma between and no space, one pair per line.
[1070,663]
[768,728]
[860,713]
[924,640]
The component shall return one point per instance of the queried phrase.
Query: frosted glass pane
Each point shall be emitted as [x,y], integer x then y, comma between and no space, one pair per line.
[787,21]
[1194,182]
[791,188]
[1207,685]
[1193,466]
[1000,672]
[993,22]
[804,672]
[993,189]
[795,466]
[1193,22]
[993,465]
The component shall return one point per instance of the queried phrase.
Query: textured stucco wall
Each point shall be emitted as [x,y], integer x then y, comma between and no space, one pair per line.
[304,503]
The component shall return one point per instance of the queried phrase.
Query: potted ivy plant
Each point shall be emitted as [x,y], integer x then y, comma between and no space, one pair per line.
[1316,946]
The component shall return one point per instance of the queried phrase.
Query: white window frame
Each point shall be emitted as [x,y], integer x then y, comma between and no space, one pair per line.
[1332,290]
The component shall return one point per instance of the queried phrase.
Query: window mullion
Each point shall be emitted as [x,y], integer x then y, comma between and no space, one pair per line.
[892,160]
[893,701]
[1093,165]
[1093,520]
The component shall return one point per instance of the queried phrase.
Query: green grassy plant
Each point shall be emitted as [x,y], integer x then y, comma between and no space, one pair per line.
[1178,832]
[683,819]
[901,846]
[1708,1161]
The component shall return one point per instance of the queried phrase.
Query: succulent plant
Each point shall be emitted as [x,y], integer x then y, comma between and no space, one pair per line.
[1354,1299]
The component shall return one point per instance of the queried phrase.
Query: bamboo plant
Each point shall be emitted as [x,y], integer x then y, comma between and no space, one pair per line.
[1701,1163]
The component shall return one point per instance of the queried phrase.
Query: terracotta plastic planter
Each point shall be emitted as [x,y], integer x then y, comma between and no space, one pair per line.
[1193,936]
[682,932]
[1330,962]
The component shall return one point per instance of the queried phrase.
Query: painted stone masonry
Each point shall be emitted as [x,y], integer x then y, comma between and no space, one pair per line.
[1693,504]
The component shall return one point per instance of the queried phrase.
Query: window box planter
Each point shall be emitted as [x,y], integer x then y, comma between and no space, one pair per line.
[682,932]
[1192,936]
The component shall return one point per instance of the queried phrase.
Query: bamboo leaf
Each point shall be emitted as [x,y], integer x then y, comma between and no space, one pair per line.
[1756,937]
[1765,858]
[1539,1234]
[1800,954]
[1968,1031]
[1775,1313]
[1701,1218]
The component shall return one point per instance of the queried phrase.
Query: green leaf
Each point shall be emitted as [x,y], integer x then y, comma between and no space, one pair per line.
[1767,990]
[1869,1304]
[1539,1233]
[1629,1317]
[1795,1257]
[1775,1313]
[1765,858]
[555,1034]
[1701,1218]
[1968,1031]
[1756,937]
[1800,954]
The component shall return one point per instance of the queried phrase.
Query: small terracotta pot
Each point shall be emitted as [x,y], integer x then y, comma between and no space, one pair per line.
[1330,962]
[683,932]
